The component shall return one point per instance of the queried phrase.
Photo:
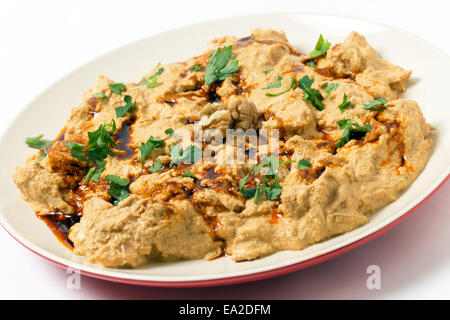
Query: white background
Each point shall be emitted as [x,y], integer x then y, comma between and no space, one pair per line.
[43,40]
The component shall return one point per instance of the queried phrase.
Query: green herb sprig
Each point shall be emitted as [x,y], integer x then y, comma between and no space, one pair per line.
[117,88]
[275,84]
[273,190]
[330,87]
[321,48]
[196,67]
[156,167]
[352,130]
[189,174]
[344,104]
[147,147]
[311,94]
[191,154]
[118,188]
[377,104]
[128,107]
[303,164]
[152,81]
[221,65]
[39,144]
[270,94]
[100,142]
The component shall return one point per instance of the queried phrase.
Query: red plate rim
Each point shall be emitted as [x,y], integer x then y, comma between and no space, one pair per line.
[250,277]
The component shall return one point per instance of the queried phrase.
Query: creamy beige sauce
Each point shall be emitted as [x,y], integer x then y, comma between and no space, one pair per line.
[171,217]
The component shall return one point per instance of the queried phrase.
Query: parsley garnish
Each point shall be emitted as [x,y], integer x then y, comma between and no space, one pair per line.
[220,65]
[100,95]
[95,172]
[77,151]
[267,71]
[376,105]
[331,87]
[151,144]
[303,163]
[313,95]
[275,84]
[197,67]
[128,107]
[352,130]
[189,155]
[157,166]
[321,48]
[98,149]
[169,131]
[118,188]
[271,191]
[100,141]
[280,93]
[246,192]
[271,162]
[344,104]
[189,174]
[40,144]
[117,88]
[152,81]
[311,63]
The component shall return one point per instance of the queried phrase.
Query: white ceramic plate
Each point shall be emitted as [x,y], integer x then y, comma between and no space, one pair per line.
[429,81]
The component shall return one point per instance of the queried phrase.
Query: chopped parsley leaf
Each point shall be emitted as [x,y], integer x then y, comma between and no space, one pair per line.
[128,107]
[152,81]
[220,65]
[267,70]
[271,162]
[282,92]
[169,131]
[303,163]
[352,130]
[176,154]
[377,104]
[189,155]
[118,188]
[39,144]
[100,95]
[77,151]
[321,48]
[311,63]
[189,174]
[271,191]
[313,95]
[95,172]
[246,192]
[100,142]
[156,167]
[117,88]
[197,67]
[344,104]
[331,87]
[275,84]
[151,144]
[286,162]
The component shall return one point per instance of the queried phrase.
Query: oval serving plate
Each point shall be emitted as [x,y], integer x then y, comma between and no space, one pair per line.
[430,69]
